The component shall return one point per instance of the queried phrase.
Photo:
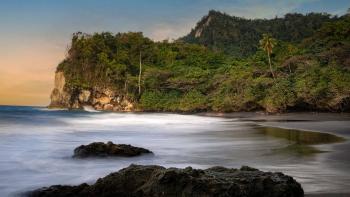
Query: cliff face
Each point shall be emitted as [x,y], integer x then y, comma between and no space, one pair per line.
[99,98]
[59,97]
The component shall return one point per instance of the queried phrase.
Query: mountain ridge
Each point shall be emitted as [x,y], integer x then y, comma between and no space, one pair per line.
[238,36]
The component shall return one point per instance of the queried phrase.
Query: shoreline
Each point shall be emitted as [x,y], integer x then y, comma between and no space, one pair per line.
[261,111]
[293,120]
[327,195]
[290,121]
[324,122]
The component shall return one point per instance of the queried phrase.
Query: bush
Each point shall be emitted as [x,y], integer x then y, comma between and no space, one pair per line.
[160,101]
[280,96]
[193,101]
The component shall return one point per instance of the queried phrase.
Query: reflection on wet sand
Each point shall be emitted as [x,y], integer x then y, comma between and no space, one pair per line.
[300,142]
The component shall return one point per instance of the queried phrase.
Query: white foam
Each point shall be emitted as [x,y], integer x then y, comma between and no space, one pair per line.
[168,122]
[89,108]
[50,109]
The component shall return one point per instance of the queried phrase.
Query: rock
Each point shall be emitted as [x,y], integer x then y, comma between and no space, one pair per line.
[117,108]
[75,105]
[156,181]
[108,107]
[98,107]
[100,149]
[84,96]
[59,191]
[108,92]
[103,100]
[127,106]
[247,168]
[74,97]
[59,97]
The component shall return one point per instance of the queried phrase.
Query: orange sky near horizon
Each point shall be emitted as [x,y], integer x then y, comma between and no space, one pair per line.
[27,73]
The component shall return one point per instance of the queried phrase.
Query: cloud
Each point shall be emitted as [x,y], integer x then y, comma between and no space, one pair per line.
[169,31]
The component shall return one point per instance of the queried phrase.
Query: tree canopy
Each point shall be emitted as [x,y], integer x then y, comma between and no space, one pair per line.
[311,66]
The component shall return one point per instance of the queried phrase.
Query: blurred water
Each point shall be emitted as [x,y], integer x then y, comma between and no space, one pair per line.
[36,145]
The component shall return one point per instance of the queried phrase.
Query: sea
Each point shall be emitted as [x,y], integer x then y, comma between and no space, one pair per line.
[37,144]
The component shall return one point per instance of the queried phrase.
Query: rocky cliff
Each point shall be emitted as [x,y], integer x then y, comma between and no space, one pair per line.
[100,98]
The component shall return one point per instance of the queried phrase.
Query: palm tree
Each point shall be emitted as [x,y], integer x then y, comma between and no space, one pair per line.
[267,43]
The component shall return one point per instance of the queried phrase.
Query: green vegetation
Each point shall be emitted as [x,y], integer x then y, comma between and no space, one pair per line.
[308,68]
[239,36]
[267,43]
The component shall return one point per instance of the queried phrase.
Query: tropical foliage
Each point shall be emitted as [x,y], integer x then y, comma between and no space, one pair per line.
[294,69]
[239,36]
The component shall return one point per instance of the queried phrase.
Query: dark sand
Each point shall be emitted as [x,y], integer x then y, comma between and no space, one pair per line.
[332,123]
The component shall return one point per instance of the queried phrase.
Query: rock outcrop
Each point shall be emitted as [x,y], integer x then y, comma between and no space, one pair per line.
[99,98]
[100,149]
[59,96]
[156,181]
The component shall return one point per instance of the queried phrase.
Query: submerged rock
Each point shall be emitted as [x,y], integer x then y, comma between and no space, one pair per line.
[100,149]
[149,181]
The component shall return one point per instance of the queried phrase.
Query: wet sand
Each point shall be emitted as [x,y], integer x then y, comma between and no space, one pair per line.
[327,195]
[331,123]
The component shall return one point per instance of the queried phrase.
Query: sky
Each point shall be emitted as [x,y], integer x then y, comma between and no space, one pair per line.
[35,34]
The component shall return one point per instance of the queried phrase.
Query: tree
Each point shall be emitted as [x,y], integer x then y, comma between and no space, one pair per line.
[140,73]
[267,43]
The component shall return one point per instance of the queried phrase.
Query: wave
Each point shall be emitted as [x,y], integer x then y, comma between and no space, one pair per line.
[50,109]
[153,122]
[89,108]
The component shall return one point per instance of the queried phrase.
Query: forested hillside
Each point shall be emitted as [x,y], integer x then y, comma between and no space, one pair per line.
[309,67]
[239,36]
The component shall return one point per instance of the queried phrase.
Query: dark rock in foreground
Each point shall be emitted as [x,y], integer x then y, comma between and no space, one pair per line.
[149,181]
[100,149]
